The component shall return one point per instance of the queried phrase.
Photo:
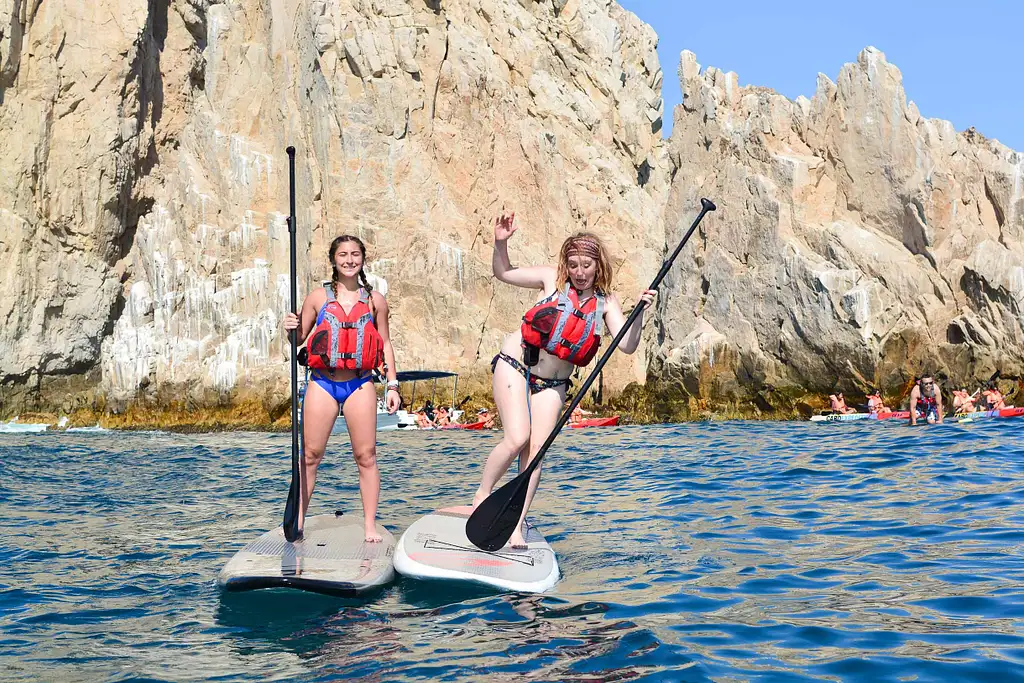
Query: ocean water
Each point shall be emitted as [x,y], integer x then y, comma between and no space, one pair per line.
[736,551]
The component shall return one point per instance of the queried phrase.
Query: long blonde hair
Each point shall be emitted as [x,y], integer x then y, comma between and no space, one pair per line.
[603,276]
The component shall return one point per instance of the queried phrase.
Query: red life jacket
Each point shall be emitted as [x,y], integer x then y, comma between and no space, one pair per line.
[345,342]
[563,328]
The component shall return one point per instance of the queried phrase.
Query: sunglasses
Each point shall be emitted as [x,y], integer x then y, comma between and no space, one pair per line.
[928,384]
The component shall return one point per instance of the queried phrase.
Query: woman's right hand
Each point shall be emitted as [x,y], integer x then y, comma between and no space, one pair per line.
[504,226]
[291,322]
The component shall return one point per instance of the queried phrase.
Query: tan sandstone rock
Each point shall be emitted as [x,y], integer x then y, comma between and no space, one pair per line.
[856,242]
[145,190]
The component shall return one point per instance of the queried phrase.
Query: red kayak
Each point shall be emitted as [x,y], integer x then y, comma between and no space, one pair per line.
[895,415]
[597,422]
[471,425]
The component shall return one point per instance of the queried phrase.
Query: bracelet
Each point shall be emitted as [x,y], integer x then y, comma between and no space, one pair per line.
[393,384]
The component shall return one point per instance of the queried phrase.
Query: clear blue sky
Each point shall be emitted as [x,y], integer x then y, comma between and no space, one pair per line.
[961,61]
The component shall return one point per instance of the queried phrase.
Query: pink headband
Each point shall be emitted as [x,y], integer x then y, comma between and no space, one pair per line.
[584,246]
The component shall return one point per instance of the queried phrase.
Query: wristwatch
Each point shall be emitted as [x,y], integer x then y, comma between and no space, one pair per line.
[393,384]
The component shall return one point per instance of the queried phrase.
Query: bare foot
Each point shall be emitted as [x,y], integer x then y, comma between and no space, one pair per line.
[480,497]
[371,535]
[517,542]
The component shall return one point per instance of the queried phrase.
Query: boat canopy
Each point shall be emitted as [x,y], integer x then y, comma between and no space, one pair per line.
[416,375]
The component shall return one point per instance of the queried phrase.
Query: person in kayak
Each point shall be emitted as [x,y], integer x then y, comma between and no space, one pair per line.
[993,399]
[926,401]
[876,404]
[839,404]
[344,329]
[484,415]
[559,333]
[963,402]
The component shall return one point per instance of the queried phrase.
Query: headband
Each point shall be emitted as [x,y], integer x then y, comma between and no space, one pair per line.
[584,246]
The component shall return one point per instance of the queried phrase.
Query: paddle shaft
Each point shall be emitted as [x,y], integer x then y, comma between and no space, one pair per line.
[291,516]
[706,206]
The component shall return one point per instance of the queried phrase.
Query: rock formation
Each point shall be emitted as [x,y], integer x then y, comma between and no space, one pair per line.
[144,241]
[145,188]
[857,242]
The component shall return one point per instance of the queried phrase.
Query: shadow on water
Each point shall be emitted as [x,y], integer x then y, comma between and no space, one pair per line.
[274,613]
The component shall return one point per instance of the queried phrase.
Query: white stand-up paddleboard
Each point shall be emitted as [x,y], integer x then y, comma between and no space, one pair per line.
[333,557]
[436,547]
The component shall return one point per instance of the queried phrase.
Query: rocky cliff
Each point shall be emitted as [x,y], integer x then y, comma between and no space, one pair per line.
[144,241]
[858,243]
[145,186]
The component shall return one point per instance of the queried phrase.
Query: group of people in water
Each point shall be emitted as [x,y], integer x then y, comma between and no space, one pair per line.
[926,401]
[343,331]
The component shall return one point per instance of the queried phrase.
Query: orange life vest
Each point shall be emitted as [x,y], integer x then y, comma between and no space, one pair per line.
[343,341]
[563,328]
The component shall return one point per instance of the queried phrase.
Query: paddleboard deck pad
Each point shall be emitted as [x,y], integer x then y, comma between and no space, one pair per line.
[333,557]
[436,547]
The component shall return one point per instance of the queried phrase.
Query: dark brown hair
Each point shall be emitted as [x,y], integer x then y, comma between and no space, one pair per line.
[337,242]
[361,276]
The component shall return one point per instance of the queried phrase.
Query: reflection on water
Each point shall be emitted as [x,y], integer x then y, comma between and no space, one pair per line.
[715,551]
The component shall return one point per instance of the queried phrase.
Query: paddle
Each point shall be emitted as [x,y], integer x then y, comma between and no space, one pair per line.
[291,508]
[492,523]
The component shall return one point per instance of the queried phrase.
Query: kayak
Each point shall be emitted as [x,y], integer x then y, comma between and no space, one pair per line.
[471,425]
[981,414]
[854,417]
[597,422]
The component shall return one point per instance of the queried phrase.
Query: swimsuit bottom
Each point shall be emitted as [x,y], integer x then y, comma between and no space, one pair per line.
[340,390]
[537,384]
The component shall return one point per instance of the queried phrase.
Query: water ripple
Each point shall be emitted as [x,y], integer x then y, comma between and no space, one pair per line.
[703,552]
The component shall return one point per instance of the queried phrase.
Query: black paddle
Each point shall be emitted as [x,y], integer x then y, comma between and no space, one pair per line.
[291,508]
[492,523]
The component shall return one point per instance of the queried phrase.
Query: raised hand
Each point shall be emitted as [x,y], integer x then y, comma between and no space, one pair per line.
[504,226]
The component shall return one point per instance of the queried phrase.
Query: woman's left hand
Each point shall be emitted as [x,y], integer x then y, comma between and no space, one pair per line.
[648,297]
[393,401]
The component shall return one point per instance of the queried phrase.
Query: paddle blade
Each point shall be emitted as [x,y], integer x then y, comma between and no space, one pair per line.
[291,512]
[493,522]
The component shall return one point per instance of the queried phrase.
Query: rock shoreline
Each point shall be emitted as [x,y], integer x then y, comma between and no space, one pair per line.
[145,249]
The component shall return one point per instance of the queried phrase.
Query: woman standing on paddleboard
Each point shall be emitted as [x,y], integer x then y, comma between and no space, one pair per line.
[344,328]
[561,332]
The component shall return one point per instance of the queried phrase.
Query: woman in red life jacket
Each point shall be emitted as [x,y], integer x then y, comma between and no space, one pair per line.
[838,404]
[875,402]
[344,328]
[561,332]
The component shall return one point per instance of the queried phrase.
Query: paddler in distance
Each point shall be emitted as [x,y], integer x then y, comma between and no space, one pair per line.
[875,403]
[993,398]
[963,402]
[839,404]
[926,401]
[561,332]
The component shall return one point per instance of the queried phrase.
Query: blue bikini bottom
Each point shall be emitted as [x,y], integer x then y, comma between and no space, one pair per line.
[340,390]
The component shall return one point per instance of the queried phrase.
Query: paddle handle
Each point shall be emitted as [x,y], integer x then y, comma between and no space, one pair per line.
[291,511]
[706,206]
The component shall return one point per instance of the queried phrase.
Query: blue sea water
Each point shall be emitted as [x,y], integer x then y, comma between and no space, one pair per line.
[734,551]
